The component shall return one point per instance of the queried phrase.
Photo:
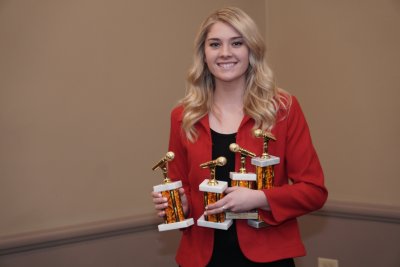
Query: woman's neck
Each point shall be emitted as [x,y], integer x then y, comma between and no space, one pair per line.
[227,109]
[229,95]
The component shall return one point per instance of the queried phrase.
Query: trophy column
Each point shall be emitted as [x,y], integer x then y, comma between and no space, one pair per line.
[174,217]
[213,191]
[264,170]
[243,179]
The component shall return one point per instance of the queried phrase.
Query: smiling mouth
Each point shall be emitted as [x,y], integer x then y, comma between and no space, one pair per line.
[227,65]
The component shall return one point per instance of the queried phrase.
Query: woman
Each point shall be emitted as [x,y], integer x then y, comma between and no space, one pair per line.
[231,92]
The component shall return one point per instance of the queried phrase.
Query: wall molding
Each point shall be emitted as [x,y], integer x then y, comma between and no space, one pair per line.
[145,222]
[360,211]
[77,233]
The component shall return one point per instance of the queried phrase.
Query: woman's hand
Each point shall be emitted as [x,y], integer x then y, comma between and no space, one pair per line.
[239,199]
[161,203]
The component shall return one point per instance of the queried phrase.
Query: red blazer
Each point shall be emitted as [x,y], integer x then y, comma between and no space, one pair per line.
[298,163]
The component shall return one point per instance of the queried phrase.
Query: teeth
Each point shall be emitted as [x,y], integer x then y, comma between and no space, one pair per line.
[226,65]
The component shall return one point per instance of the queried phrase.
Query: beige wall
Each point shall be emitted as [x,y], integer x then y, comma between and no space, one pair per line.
[342,60]
[86,88]
[85,93]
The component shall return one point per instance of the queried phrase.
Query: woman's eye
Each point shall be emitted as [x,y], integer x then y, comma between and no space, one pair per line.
[214,44]
[238,43]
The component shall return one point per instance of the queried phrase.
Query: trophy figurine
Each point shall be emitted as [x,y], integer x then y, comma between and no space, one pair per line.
[264,169]
[213,191]
[174,217]
[243,179]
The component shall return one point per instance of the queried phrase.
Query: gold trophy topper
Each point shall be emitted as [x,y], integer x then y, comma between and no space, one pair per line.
[162,164]
[243,154]
[220,161]
[267,137]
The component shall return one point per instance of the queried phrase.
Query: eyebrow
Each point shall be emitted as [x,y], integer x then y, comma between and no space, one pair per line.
[218,39]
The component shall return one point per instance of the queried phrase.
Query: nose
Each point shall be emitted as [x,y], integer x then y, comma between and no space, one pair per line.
[225,51]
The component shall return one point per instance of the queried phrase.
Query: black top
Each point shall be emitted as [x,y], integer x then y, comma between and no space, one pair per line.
[226,251]
[220,148]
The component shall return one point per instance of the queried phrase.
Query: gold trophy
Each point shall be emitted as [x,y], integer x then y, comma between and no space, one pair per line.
[243,179]
[174,217]
[213,191]
[265,170]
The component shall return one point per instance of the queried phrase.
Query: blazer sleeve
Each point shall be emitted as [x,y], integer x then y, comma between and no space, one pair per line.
[178,168]
[307,193]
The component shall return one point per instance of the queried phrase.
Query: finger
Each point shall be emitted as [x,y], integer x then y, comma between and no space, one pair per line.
[217,205]
[184,200]
[223,209]
[182,194]
[162,206]
[160,200]
[161,213]
[213,206]
[215,210]
[231,189]
[181,191]
[155,194]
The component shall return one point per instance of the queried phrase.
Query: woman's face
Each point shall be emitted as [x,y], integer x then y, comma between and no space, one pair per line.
[226,54]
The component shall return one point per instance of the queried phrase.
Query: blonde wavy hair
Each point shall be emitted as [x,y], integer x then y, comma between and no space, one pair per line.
[262,99]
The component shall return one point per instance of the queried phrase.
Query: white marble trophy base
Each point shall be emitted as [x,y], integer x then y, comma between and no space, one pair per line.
[261,162]
[237,176]
[216,225]
[176,225]
[241,215]
[257,224]
[167,186]
[218,188]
